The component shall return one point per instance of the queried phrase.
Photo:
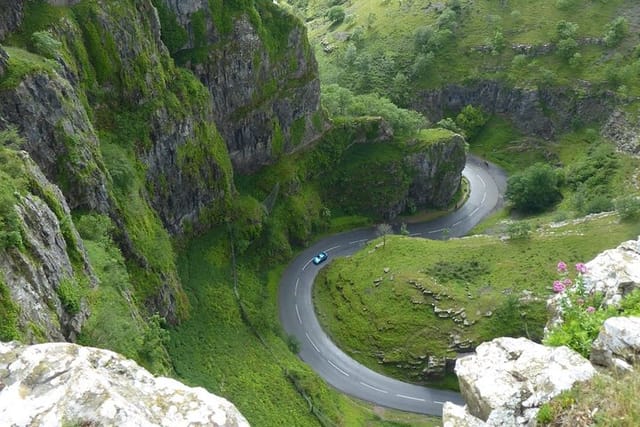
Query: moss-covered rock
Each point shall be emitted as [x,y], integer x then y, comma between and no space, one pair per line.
[256,61]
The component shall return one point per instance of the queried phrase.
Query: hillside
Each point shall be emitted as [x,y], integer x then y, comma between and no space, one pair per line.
[161,162]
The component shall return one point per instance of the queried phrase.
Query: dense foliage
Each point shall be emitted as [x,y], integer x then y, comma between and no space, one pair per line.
[535,189]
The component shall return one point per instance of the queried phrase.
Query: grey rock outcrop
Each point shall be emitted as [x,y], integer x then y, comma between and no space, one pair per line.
[508,379]
[4,59]
[59,136]
[33,275]
[438,169]
[11,13]
[526,108]
[52,384]
[618,343]
[623,131]
[614,272]
[457,416]
[264,104]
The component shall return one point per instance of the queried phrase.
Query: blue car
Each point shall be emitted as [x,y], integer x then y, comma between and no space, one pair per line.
[321,257]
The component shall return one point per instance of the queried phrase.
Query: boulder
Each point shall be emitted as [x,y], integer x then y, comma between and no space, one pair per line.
[508,379]
[614,272]
[618,343]
[457,416]
[66,384]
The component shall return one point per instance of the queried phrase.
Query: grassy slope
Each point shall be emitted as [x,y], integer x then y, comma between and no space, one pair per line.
[520,21]
[399,323]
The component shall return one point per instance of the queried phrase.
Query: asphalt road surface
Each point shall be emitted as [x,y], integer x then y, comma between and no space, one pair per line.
[298,317]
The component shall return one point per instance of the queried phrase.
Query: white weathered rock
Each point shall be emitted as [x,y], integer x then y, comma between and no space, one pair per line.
[457,416]
[618,344]
[67,384]
[614,272]
[508,379]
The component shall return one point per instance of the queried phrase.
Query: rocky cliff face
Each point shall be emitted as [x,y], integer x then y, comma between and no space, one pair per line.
[438,169]
[52,384]
[59,136]
[527,109]
[11,12]
[261,74]
[44,272]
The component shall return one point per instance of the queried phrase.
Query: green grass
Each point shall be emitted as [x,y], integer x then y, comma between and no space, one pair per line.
[585,402]
[385,322]
[22,64]
[384,34]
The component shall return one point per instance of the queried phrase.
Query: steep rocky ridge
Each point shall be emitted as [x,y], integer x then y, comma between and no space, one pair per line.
[437,172]
[44,268]
[48,112]
[53,384]
[261,73]
[543,111]
[11,12]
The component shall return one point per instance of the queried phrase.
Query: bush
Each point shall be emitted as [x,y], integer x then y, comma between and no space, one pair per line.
[519,230]
[336,14]
[628,207]
[70,295]
[616,31]
[45,45]
[535,189]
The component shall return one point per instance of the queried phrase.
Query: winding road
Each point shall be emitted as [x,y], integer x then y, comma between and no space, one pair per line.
[332,364]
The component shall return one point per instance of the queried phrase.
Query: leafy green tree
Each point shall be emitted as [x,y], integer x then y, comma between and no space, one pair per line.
[336,14]
[498,42]
[566,30]
[535,189]
[400,90]
[470,120]
[616,31]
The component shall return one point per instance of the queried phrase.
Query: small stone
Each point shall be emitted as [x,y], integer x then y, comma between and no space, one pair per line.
[386,269]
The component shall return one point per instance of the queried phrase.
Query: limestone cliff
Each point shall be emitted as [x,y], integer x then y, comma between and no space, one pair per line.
[11,12]
[438,167]
[260,70]
[528,109]
[43,264]
[66,384]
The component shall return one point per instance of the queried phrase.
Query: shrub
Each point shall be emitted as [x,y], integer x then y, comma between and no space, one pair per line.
[628,207]
[535,189]
[616,31]
[70,295]
[336,14]
[45,45]
[519,230]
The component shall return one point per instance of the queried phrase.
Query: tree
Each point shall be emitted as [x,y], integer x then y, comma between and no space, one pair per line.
[382,230]
[535,189]
[471,120]
[336,14]
[616,31]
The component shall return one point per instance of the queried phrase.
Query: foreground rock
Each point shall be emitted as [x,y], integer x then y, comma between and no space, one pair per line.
[66,384]
[618,344]
[508,379]
[615,273]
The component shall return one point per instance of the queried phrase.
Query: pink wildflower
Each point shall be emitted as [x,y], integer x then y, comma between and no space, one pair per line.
[591,309]
[558,286]
[567,282]
[562,267]
[581,268]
